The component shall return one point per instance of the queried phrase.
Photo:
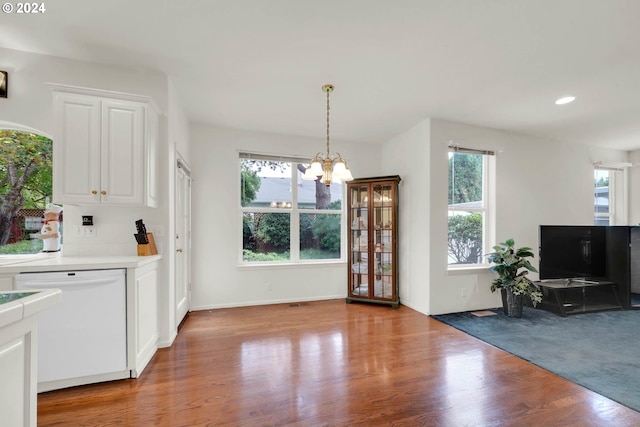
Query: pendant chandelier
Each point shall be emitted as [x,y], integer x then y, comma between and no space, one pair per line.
[328,168]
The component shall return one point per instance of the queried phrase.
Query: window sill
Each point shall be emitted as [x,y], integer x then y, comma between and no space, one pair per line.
[468,269]
[291,265]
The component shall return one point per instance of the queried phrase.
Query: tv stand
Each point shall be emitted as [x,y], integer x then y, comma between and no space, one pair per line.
[569,281]
[573,296]
[585,281]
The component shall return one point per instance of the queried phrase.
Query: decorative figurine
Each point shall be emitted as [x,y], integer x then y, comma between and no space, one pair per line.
[50,232]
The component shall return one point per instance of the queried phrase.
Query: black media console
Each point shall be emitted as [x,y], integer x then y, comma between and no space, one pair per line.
[611,252]
[566,297]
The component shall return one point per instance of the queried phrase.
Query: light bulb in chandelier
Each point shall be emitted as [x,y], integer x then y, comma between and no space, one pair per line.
[329,168]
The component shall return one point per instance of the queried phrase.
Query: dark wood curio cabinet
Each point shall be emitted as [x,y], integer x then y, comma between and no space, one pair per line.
[372,205]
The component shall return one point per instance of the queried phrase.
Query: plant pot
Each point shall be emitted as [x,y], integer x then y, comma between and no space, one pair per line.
[512,303]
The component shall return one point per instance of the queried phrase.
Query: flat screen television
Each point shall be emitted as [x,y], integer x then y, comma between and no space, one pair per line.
[572,252]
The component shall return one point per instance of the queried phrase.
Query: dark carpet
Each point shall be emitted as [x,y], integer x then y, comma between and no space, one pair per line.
[599,351]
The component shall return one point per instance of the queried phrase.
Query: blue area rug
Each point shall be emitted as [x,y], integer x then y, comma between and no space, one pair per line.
[599,351]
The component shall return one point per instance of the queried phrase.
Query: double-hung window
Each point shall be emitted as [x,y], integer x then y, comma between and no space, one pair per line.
[285,218]
[469,206]
[604,186]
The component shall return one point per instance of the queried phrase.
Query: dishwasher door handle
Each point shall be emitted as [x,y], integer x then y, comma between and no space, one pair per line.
[55,284]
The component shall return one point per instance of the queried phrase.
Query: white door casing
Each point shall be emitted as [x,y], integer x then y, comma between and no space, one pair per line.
[183,240]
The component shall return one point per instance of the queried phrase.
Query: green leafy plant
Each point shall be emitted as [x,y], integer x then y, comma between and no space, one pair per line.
[326,229]
[465,238]
[251,256]
[512,266]
[273,231]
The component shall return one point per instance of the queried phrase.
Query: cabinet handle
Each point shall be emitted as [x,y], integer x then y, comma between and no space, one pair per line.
[103,192]
[179,250]
[94,192]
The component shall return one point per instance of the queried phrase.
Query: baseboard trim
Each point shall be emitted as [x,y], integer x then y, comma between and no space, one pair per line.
[265,302]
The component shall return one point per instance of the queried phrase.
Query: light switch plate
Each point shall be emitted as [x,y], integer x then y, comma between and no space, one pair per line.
[85,231]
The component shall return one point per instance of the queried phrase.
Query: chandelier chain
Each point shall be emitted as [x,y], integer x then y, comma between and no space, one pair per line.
[330,168]
[328,91]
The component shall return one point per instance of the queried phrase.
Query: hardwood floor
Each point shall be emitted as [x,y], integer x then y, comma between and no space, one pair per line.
[328,363]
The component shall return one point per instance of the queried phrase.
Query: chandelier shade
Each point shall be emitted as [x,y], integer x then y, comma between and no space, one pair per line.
[329,168]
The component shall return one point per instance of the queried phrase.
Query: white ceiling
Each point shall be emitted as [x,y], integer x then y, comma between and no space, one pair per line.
[259,64]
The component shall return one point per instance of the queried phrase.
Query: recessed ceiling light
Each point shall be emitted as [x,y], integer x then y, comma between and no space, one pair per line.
[565,100]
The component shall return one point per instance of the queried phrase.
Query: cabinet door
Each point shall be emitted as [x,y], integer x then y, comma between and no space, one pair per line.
[76,149]
[143,310]
[122,168]
[15,388]
[383,240]
[359,241]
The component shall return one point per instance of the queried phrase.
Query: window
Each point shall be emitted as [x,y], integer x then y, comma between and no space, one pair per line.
[469,215]
[25,189]
[603,196]
[284,218]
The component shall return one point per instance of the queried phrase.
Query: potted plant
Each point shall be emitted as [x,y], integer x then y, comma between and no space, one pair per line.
[512,267]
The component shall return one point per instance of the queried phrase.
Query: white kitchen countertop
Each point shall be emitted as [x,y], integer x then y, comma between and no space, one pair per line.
[57,262]
[19,309]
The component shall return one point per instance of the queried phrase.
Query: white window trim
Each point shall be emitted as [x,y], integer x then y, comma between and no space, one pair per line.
[294,212]
[489,209]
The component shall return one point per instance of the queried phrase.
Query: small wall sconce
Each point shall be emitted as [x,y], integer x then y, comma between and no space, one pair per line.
[4,84]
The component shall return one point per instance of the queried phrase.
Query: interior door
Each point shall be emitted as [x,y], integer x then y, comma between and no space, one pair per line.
[183,240]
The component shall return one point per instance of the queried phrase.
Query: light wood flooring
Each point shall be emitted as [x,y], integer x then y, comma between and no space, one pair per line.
[328,363]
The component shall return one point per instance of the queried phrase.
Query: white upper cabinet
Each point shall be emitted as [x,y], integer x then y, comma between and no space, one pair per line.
[104,148]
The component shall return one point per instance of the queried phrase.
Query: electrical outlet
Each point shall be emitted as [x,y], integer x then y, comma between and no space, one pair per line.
[463,292]
[267,286]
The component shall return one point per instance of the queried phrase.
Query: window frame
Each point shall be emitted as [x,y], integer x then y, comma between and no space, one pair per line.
[488,206]
[611,215]
[294,215]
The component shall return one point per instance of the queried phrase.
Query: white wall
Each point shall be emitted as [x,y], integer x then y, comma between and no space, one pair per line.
[634,183]
[539,181]
[217,279]
[408,155]
[177,144]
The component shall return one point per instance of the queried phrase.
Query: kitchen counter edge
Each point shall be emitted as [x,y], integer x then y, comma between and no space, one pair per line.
[63,263]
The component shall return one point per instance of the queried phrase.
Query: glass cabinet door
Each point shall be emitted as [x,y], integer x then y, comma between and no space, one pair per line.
[359,240]
[383,206]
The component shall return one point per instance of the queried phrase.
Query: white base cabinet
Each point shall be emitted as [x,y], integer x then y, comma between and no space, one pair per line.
[140,319]
[17,369]
[19,356]
[104,148]
[143,326]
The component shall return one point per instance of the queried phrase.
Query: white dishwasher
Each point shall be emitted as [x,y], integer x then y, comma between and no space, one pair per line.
[83,339]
